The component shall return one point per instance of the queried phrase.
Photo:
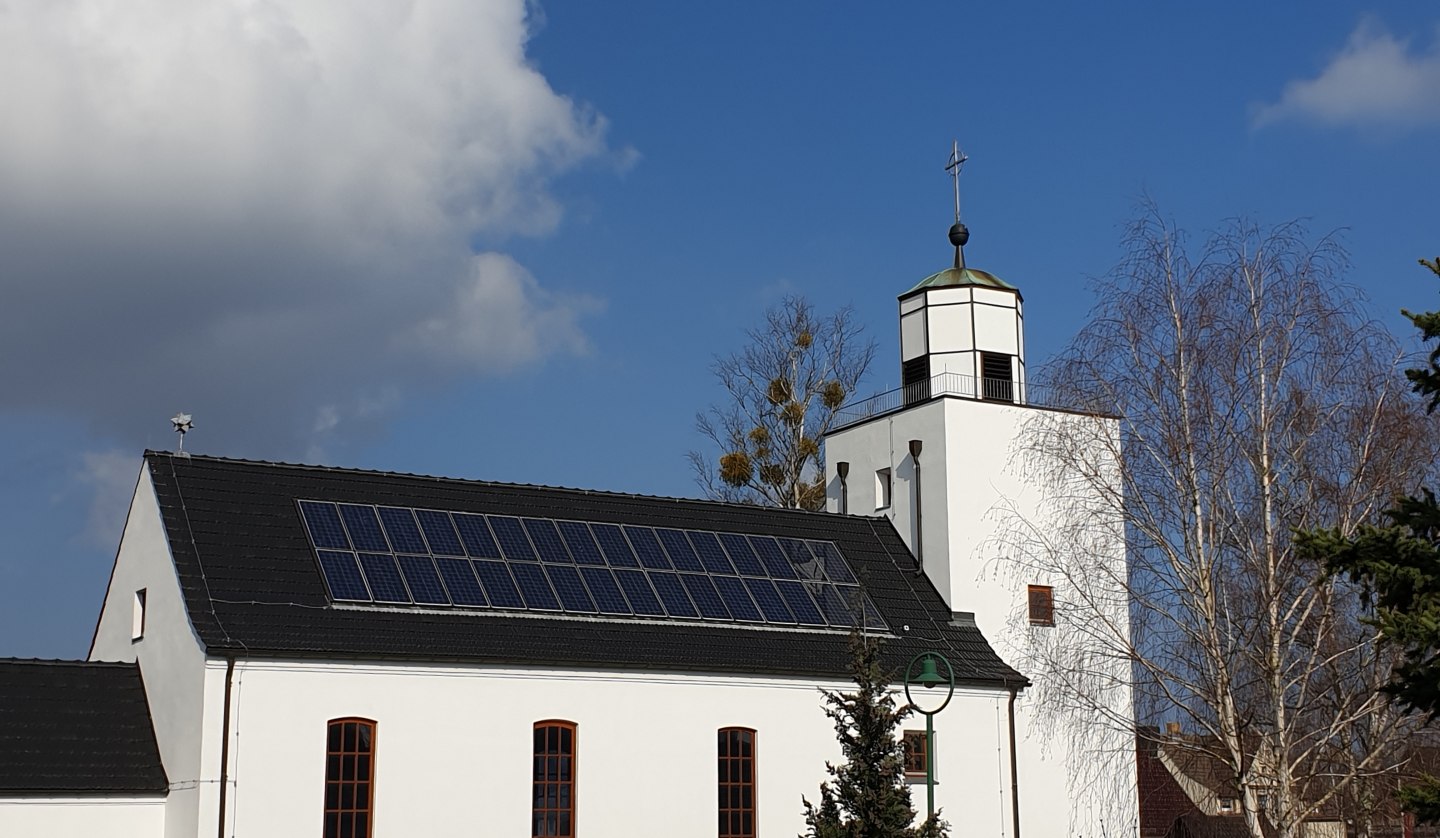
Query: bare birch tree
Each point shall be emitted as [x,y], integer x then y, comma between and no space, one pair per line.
[783,390]
[1254,400]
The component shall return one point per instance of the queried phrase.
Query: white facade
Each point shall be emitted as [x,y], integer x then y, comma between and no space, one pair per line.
[117,816]
[972,485]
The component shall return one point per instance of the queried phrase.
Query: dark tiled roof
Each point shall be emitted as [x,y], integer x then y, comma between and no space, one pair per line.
[74,727]
[252,586]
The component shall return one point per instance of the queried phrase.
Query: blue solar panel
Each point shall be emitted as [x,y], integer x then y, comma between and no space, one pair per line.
[769,600]
[364,528]
[732,590]
[324,525]
[672,593]
[835,566]
[423,581]
[534,587]
[479,543]
[801,605]
[738,546]
[342,576]
[582,545]
[832,605]
[499,585]
[681,553]
[703,594]
[461,583]
[617,549]
[511,536]
[872,615]
[416,557]
[384,578]
[573,595]
[638,591]
[547,541]
[606,590]
[401,530]
[647,548]
[439,533]
[805,564]
[707,547]
[772,557]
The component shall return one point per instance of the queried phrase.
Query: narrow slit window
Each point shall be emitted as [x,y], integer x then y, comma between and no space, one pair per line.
[883,486]
[552,805]
[137,616]
[736,752]
[1042,605]
[349,778]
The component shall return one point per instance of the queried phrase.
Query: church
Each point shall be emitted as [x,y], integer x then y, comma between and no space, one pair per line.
[296,650]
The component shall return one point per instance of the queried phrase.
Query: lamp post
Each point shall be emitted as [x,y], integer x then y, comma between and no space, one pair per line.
[924,671]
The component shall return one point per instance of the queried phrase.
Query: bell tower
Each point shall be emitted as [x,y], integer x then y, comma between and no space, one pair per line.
[944,458]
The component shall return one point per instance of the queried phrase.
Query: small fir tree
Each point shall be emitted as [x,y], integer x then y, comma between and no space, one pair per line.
[866,795]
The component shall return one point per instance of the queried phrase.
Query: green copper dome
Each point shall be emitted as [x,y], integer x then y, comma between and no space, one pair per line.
[958,277]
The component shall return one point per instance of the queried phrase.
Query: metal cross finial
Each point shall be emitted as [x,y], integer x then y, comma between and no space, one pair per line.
[957,159]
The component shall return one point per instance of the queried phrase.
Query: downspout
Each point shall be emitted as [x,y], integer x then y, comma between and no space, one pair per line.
[843,470]
[1014,767]
[915,446]
[225,746]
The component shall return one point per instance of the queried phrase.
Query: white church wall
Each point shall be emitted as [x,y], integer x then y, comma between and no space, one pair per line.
[995,329]
[454,746]
[82,817]
[972,480]
[172,663]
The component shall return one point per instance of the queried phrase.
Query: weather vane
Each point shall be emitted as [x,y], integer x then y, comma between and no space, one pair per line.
[183,423]
[958,232]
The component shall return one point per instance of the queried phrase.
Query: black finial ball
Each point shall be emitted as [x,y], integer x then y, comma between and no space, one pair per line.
[959,234]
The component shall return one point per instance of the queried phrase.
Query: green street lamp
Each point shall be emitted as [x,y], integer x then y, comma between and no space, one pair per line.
[924,671]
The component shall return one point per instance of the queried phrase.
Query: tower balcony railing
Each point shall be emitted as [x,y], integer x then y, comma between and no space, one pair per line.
[1001,390]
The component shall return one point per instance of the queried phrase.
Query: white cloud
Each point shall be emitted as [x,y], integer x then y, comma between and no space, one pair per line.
[1376,80]
[110,478]
[260,212]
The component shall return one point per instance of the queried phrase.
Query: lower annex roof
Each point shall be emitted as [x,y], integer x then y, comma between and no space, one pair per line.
[252,585]
[76,728]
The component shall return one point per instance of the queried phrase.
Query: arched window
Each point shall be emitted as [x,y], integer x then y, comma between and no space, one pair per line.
[736,752]
[349,777]
[553,800]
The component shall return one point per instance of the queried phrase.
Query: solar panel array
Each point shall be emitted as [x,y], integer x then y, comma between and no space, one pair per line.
[401,556]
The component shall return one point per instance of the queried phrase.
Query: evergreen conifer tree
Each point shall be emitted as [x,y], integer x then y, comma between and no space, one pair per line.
[866,795]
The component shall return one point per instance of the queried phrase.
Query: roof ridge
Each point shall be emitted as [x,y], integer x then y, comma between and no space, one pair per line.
[64,662]
[498,483]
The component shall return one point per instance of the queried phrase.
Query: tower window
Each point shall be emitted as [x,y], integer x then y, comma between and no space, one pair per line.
[1042,605]
[996,377]
[915,378]
[915,753]
[883,486]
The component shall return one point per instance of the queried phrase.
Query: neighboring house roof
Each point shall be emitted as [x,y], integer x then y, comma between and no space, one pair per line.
[252,585]
[74,727]
[1162,801]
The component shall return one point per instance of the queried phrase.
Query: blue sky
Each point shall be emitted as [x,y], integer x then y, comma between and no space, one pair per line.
[492,241]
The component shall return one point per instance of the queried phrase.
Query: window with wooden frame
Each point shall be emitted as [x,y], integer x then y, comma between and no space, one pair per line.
[349,778]
[913,742]
[736,752]
[1042,605]
[553,803]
